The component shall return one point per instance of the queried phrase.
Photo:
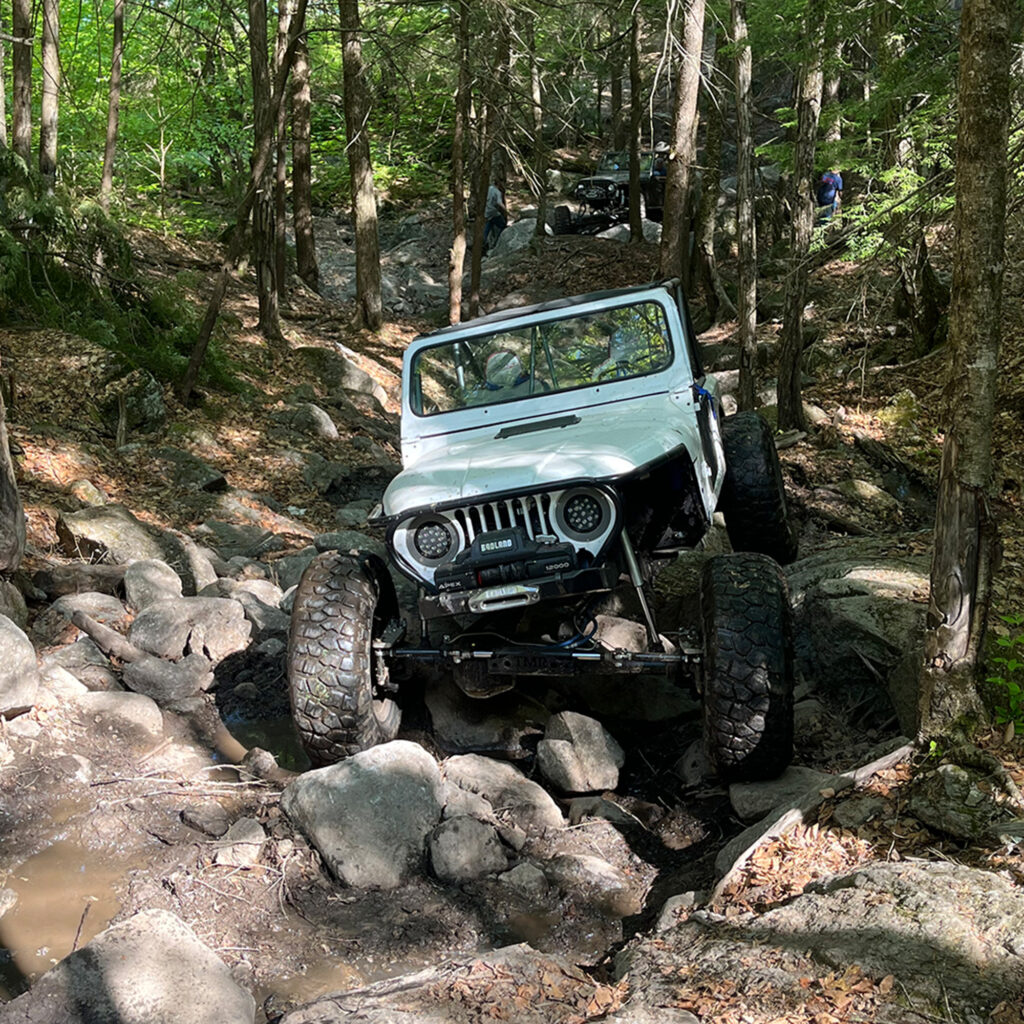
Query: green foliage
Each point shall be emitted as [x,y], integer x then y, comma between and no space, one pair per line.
[1006,681]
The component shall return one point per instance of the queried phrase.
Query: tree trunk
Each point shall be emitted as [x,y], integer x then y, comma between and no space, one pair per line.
[113,108]
[258,164]
[831,112]
[791,411]
[457,253]
[540,151]
[302,168]
[707,263]
[481,178]
[3,87]
[965,532]
[12,515]
[21,63]
[284,19]
[746,232]
[636,223]
[51,86]
[264,121]
[369,307]
[617,114]
[674,256]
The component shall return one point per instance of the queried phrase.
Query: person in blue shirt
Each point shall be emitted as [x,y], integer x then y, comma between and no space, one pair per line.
[828,194]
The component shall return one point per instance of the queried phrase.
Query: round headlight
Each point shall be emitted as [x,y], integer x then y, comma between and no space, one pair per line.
[432,540]
[611,186]
[584,514]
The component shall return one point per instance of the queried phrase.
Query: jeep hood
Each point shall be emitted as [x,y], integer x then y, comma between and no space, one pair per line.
[602,444]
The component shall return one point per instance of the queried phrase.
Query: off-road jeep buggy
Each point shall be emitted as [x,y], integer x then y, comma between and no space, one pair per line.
[602,199]
[551,455]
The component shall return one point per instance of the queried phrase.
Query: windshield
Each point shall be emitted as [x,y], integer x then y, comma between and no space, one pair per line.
[611,162]
[538,359]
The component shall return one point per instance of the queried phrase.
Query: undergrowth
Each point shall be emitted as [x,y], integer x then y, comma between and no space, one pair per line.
[64,263]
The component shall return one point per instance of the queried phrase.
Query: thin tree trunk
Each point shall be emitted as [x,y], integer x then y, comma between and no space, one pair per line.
[113,108]
[51,86]
[480,182]
[302,168]
[707,263]
[791,412]
[617,114]
[674,255]
[540,159]
[21,62]
[258,164]
[264,120]
[369,306]
[965,531]
[746,232]
[12,515]
[636,224]
[831,113]
[457,253]
[284,18]
[3,86]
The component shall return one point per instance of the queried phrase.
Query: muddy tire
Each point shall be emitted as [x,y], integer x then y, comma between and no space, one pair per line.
[561,220]
[341,603]
[753,496]
[747,671]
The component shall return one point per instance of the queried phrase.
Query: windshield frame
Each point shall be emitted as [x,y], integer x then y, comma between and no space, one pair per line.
[653,354]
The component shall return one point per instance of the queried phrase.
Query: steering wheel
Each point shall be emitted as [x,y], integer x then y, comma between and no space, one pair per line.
[609,370]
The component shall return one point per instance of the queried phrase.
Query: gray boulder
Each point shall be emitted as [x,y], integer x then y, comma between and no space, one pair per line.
[54,625]
[12,604]
[19,671]
[241,845]
[86,662]
[137,398]
[150,580]
[958,801]
[172,628]
[517,236]
[133,715]
[112,532]
[336,368]
[856,611]
[147,970]
[514,797]
[190,473]
[578,754]
[463,848]
[753,800]
[370,815]
[168,682]
[307,418]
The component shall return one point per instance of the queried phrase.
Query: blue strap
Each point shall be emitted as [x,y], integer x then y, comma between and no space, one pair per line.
[702,392]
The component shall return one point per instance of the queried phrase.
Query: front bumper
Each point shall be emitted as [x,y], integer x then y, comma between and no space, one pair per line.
[520,594]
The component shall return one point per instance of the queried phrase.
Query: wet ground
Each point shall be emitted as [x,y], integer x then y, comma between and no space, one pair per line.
[100,820]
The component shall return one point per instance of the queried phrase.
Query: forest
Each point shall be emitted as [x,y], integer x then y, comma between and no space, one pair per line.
[241,215]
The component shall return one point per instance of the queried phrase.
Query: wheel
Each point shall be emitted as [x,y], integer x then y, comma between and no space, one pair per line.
[561,220]
[747,671]
[342,602]
[753,497]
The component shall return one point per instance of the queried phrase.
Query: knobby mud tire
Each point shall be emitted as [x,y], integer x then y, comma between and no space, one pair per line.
[753,495]
[747,672]
[341,603]
[561,220]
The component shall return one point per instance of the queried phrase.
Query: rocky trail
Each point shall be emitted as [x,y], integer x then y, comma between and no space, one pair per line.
[554,854]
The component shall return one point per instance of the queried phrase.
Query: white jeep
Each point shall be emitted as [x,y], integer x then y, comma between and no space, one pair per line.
[551,455]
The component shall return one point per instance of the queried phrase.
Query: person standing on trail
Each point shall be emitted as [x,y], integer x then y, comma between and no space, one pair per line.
[495,213]
[828,195]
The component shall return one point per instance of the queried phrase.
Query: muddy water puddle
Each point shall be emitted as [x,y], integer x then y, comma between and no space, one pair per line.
[66,896]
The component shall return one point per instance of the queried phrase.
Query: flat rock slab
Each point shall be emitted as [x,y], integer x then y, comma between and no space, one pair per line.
[120,711]
[516,983]
[150,969]
[950,940]
[753,800]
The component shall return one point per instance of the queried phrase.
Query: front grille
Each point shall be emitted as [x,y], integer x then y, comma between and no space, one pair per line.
[531,512]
